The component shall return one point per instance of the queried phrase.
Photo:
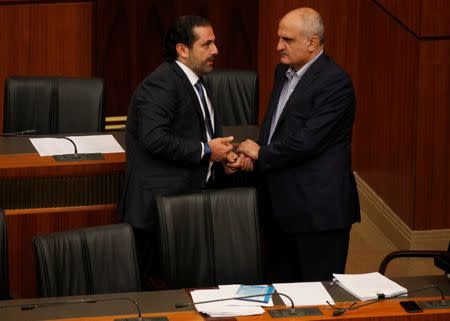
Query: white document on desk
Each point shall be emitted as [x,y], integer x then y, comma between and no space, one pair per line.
[85,145]
[369,286]
[304,293]
[222,308]
[230,290]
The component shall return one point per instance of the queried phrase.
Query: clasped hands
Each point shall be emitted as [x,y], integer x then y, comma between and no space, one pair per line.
[234,156]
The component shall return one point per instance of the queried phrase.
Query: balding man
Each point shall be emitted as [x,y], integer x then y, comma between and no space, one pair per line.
[304,154]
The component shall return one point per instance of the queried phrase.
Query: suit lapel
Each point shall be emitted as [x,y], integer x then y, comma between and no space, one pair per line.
[303,83]
[190,89]
[278,86]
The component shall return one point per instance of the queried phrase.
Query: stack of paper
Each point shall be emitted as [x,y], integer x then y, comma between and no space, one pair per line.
[369,286]
[227,308]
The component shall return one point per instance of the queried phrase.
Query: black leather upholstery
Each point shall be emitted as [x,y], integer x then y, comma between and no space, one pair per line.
[442,260]
[4,286]
[210,238]
[93,260]
[53,105]
[235,93]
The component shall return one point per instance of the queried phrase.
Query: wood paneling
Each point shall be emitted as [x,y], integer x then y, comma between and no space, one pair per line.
[44,39]
[425,18]
[407,12]
[23,225]
[435,18]
[384,144]
[130,38]
[433,137]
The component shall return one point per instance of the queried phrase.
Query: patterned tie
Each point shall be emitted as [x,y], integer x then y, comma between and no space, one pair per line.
[199,87]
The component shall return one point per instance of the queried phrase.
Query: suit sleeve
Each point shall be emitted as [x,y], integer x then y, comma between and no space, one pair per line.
[328,122]
[158,105]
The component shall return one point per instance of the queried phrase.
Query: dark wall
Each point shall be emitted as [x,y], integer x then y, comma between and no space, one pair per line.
[44,38]
[129,37]
[118,40]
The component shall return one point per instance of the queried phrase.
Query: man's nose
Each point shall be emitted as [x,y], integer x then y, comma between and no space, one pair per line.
[214,50]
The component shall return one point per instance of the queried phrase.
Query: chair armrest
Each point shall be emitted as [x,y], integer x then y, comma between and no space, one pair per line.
[410,253]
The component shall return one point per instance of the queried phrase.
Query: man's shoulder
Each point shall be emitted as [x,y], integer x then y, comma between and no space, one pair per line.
[331,66]
[164,70]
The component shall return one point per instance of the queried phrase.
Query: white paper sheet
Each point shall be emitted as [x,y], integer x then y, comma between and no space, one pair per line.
[222,308]
[85,145]
[229,291]
[367,286]
[304,293]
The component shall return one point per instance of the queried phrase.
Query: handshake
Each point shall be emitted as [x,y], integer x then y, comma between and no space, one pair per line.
[234,156]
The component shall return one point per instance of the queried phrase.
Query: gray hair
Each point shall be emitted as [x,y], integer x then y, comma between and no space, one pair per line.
[312,25]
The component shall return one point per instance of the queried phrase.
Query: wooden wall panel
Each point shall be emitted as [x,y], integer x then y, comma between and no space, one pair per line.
[433,137]
[425,18]
[435,18]
[130,37]
[384,145]
[407,12]
[44,39]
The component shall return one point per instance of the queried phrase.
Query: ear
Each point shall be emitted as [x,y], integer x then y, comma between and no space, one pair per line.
[314,43]
[182,50]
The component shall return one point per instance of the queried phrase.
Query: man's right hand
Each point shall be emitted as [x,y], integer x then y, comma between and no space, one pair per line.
[220,147]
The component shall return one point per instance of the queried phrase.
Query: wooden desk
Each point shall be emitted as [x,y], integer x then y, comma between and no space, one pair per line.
[384,311]
[40,195]
[389,310]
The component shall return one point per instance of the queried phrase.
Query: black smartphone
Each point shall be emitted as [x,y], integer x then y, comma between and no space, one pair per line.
[411,306]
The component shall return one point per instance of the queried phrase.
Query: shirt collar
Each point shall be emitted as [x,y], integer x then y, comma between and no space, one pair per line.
[291,71]
[193,78]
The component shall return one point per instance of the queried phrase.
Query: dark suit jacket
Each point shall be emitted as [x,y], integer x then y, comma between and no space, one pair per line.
[307,165]
[164,129]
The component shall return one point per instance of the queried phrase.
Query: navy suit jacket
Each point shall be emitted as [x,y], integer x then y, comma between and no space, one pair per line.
[307,165]
[164,129]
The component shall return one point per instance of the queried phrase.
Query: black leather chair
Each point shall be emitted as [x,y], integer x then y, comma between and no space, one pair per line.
[210,238]
[441,258]
[235,93]
[53,105]
[92,260]
[4,286]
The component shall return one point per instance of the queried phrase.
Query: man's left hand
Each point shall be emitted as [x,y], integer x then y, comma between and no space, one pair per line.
[249,148]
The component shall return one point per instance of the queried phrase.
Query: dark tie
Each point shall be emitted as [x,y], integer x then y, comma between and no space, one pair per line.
[199,87]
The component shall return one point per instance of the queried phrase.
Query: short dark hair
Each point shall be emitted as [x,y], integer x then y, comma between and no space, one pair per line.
[182,31]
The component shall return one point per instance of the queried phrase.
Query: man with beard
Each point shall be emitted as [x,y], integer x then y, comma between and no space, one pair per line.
[173,142]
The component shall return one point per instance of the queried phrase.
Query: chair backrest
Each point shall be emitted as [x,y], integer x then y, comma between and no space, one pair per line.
[235,93]
[93,260]
[442,260]
[4,286]
[210,238]
[53,105]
